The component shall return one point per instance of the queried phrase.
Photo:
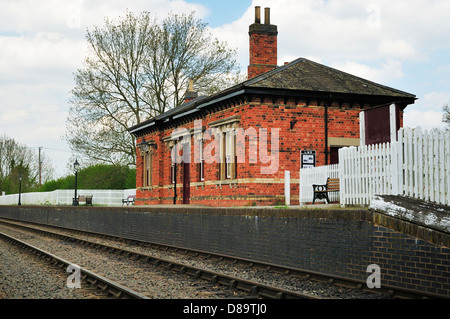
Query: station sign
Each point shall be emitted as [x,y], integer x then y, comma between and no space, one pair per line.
[307,158]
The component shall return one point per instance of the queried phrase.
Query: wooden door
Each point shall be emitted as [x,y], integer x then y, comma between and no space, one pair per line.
[186,183]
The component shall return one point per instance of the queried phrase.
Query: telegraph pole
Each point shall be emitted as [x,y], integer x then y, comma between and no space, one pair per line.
[40,166]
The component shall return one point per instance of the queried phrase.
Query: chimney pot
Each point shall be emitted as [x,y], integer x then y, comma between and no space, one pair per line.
[263,45]
[257,15]
[190,93]
[266,15]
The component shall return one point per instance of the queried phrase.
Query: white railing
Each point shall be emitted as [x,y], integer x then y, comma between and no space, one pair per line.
[316,175]
[365,171]
[417,165]
[65,197]
[424,165]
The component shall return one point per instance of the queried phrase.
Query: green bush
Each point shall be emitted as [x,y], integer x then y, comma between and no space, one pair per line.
[100,176]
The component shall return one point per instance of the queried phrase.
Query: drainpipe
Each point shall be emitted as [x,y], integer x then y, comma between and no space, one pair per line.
[175,183]
[175,175]
[326,132]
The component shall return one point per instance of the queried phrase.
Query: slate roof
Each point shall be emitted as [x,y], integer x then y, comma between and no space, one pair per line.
[301,77]
[306,75]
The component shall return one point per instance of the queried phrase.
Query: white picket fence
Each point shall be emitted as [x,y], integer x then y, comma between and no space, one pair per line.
[365,171]
[417,165]
[424,165]
[318,176]
[65,197]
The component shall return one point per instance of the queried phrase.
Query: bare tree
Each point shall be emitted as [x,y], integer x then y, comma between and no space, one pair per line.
[17,159]
[137,69]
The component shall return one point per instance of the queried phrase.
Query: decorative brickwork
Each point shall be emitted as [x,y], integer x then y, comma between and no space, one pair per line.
[250,186]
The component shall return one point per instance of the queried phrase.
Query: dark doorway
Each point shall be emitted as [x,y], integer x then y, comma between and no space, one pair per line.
[186,183]
[334,155]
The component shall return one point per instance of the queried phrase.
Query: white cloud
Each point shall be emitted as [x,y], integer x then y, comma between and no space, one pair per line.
[351,30]
[24,16]
[436,100]
[427,111]
[375,40]
[425,119]
[39,58]
[388,71]
[43,42]
[397,49]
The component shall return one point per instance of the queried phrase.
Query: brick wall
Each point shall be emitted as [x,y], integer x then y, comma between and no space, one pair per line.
[338,242]
[250,186]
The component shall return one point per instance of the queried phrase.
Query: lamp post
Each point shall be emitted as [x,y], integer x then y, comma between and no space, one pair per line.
[20,187]
[76,165]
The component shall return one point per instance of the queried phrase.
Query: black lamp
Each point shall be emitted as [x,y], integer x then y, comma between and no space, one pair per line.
[76,166]
[20,187]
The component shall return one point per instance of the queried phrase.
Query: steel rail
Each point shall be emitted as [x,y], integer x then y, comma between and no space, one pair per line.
[393,292]
[106,285]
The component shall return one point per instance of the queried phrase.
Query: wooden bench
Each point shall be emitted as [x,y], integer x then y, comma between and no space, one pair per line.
[86,199]
[321,191]
[129,199]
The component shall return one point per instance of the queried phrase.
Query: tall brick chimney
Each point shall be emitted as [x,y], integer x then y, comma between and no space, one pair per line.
[263,44]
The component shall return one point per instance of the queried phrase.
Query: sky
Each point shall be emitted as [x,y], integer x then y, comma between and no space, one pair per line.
[401,44]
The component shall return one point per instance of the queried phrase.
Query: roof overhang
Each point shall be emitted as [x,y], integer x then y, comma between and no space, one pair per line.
[305,95]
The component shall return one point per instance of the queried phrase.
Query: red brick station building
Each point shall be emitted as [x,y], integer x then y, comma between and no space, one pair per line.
[233,148]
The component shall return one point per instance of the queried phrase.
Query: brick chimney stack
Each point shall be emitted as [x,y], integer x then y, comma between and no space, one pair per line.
[263,44]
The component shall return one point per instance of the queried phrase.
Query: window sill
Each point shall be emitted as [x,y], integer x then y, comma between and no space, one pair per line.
[231,182]
[146,188]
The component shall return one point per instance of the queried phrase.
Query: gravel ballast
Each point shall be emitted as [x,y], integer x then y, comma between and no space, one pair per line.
[165,284]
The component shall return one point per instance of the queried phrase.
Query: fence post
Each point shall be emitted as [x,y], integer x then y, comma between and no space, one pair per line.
[394,168]
[343,179]
[447,155]
[362,128]
[287,187]
[442,179]
[393,122]
[420,164]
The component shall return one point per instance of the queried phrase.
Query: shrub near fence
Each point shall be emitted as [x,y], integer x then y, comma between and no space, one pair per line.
[64,197]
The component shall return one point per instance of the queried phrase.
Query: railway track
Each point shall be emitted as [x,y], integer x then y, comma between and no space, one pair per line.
[107,287]
[254,288]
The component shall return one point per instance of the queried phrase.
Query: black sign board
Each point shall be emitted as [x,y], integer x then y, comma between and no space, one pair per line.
[308,158]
